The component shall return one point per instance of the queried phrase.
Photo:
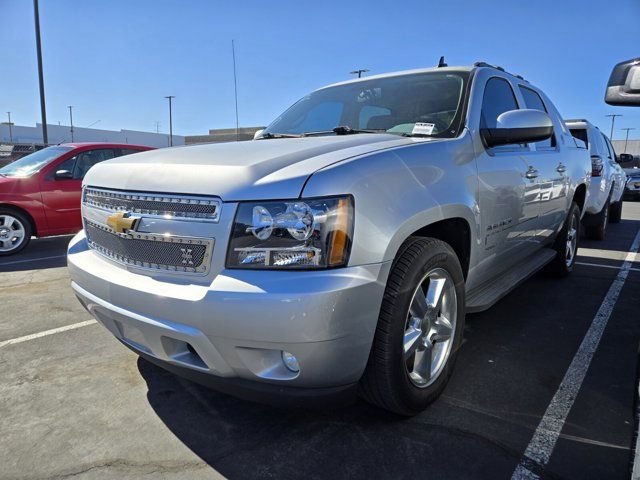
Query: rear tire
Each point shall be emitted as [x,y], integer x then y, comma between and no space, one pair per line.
[419,329]
[15,232]
[566,245]
[599,230]
[615,212]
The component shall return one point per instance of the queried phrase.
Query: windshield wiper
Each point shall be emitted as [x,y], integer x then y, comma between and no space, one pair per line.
[342,130]
[267,135]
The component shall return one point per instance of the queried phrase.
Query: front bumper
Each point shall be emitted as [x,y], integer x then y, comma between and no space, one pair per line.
[230,333]
[632,188]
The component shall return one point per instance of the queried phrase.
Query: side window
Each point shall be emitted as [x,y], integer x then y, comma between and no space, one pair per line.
[498,98]
[128,151]
[68,164]
[86,160]
[598,146]
[533,101]
[373,117]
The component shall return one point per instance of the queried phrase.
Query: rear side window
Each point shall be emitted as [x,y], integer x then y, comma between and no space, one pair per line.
[580,134]
[533,101]
[498,98]
[129,151]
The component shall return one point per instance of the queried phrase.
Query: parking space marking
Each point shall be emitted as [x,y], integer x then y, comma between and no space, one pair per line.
[33,336]
[31,260]
[608,254]
[543,442]
[587,264]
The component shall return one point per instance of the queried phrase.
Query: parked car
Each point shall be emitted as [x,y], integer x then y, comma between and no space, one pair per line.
[607,179]
[339,251]
[632,186]
[40,193]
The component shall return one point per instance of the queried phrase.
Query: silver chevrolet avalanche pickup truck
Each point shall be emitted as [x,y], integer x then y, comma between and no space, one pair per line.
[337,253]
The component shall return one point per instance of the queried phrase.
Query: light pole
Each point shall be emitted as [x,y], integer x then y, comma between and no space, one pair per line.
[359,72]
[626,140]
[10,131]
[70,107]
[613,119]
[170,97]
[36,18]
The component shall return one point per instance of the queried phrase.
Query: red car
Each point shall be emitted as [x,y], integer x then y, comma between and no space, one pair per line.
[40,193]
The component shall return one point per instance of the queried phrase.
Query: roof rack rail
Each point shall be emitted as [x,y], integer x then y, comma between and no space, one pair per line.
[488,65]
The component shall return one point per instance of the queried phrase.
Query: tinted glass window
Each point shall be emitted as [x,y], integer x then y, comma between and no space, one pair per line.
[498,98]
[86,160]
[580,134]
[533,101]
[129,151]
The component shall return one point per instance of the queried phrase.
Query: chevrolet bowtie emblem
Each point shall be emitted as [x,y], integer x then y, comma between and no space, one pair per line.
[121,222]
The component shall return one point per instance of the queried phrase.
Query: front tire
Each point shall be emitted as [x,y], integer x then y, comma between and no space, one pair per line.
[615,212]
[566,244]
[15,232]
[419,329]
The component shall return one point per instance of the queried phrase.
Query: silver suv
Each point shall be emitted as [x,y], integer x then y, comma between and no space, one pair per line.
[338,252]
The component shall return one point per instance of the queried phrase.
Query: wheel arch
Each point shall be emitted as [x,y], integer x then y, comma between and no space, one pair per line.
[453,226]
[22,211]
[579,196]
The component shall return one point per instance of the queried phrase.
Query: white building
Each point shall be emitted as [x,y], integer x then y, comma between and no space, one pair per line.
[62,134]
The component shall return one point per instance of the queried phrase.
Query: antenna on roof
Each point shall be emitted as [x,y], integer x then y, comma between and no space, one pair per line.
[441,62]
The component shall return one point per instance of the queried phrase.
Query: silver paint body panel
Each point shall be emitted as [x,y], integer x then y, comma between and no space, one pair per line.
[235,318]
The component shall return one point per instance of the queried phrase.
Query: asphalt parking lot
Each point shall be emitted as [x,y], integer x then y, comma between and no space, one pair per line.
[75,403]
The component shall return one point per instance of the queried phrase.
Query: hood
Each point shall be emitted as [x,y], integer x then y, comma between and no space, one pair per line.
[252,170]
[632,171]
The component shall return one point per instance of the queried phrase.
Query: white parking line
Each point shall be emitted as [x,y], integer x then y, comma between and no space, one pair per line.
[544,439]
[32,260]
[587,264]
[33,336]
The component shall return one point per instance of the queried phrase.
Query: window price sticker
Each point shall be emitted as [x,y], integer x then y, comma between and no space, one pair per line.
[423,128]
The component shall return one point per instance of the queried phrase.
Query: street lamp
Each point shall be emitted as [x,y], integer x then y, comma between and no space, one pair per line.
[626,140]
[36,18]
[359,72]
[70,107]
[613,119]
[170,97]
[10,131]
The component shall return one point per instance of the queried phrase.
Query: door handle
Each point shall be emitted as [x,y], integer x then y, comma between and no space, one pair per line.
[531,173]
[561,168]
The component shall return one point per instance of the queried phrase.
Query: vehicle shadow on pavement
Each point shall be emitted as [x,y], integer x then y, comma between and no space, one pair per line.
[40,254]
[240,439]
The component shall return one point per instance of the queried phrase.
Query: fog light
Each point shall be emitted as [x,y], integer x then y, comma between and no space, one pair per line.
[290,361]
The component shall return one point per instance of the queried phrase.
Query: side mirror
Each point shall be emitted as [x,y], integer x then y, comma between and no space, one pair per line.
[623,88]
[64,175]
[625,157]
[519,126]
[258,133]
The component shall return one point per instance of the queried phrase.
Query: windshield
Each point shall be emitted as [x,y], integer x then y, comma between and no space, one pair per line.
[423,104]
[34,162]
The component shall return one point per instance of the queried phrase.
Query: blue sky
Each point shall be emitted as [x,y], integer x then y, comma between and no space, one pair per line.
[115,60]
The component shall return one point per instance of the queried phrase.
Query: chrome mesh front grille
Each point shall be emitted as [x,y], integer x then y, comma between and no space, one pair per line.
[157,204]
[152,251]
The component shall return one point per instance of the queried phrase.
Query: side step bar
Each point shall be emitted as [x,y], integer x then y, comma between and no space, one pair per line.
[489,293]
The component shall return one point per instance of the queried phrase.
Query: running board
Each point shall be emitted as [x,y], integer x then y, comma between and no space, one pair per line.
[488,294]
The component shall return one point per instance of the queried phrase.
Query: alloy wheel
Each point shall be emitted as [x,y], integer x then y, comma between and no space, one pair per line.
[12,233]
[430,327]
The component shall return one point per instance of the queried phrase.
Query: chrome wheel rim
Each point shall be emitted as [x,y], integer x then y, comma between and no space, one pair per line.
[572,241]
[430,327]
[12,233]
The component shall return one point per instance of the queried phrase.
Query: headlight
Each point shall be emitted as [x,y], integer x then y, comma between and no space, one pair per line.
[309,233]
